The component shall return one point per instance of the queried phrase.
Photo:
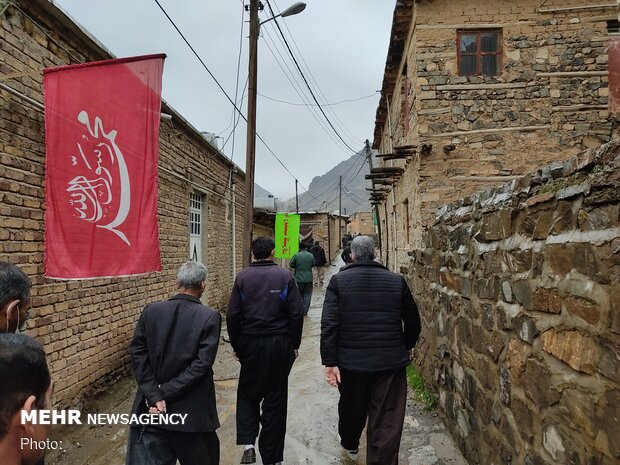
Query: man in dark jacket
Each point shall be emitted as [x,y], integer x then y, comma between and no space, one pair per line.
[369,325]
[264,320]
[319,263]
[172,355]
[25,386]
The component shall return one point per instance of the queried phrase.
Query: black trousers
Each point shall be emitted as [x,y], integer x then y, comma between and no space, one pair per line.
[305,289]
[381,398]
[160,447]
[262,394]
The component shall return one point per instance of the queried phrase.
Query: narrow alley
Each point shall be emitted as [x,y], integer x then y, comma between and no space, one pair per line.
[311,433]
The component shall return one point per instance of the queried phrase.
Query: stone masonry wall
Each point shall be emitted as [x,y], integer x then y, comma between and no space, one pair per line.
[86,326]
[519,288]
[549,102]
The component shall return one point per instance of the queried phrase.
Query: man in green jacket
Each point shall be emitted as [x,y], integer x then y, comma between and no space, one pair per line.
[302,262]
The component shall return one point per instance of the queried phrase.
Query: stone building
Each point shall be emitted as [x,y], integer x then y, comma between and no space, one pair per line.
[477,93]
[86,325]
[502,215]
[361,223]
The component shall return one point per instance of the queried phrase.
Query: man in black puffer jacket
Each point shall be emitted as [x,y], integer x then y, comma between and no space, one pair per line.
[369,325]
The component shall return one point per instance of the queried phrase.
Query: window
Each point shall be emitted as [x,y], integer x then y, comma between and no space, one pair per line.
[479,52]
[195,226]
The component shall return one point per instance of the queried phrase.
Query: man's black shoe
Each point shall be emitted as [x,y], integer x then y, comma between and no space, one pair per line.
[249,456]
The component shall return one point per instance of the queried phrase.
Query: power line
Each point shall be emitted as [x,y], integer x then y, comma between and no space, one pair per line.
[313,109]
[298,89]
[351,198]
[224,92]
[342,125]
[313,105]
[334,195]
[308,85]
[332,189]
[236,121]
[234,130]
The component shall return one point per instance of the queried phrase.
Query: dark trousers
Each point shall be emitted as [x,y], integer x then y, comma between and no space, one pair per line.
[305,289]
[262,393]
[161,447]
[381,398]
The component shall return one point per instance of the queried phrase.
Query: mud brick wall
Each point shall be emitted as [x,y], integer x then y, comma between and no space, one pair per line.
[86,326]
[519,288]
[325,230]
[548,102]
[361,223]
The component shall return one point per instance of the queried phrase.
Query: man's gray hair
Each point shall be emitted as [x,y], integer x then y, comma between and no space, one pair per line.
[191,275]
[363,248]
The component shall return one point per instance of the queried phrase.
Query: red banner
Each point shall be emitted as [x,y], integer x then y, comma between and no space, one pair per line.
[101,138]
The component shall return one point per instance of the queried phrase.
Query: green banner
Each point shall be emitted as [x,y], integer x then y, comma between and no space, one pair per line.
[287,235]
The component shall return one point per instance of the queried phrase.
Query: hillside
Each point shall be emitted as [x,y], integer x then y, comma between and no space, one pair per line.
[323,189]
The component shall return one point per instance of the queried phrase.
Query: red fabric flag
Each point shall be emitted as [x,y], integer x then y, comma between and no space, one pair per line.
[101,137]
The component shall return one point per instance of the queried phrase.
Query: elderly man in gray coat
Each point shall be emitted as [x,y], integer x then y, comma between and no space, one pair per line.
[369,325]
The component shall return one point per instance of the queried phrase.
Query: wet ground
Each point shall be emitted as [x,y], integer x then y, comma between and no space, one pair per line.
[311,429]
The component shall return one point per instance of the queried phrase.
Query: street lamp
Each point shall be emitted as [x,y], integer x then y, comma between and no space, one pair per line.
[294,9]
[251,118]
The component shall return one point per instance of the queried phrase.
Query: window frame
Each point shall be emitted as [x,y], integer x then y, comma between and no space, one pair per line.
[196,217]
[479,53]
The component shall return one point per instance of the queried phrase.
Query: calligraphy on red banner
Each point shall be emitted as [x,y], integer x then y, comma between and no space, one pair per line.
[102,135]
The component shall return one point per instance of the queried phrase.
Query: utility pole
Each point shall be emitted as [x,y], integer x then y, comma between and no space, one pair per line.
[340,212]
[374,207]
[296,198]
[250,155]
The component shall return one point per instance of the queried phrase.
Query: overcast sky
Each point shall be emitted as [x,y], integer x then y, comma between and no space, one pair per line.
[343,44]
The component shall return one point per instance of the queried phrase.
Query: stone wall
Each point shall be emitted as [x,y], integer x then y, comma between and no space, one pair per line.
[86,326]
[549,102]
[519,289]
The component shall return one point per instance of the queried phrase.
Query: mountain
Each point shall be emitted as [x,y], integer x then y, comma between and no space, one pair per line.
[323,190]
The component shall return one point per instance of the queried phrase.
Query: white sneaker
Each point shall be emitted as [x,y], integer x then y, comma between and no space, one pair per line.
[353,454]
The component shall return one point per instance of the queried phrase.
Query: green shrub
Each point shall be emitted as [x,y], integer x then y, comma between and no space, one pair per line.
[420,394]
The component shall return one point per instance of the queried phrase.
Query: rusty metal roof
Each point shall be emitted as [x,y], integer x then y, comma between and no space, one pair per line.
[401,22]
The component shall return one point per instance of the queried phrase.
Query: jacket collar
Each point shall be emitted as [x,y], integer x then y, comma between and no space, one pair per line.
[371,263]
[191,298]
[263,263]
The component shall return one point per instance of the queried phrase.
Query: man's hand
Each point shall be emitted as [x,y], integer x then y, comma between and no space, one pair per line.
[296,353]
[332,376]
[410,355]
[235,356]
[160,407]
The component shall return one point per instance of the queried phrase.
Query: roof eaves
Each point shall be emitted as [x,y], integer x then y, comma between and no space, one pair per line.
[401,23]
